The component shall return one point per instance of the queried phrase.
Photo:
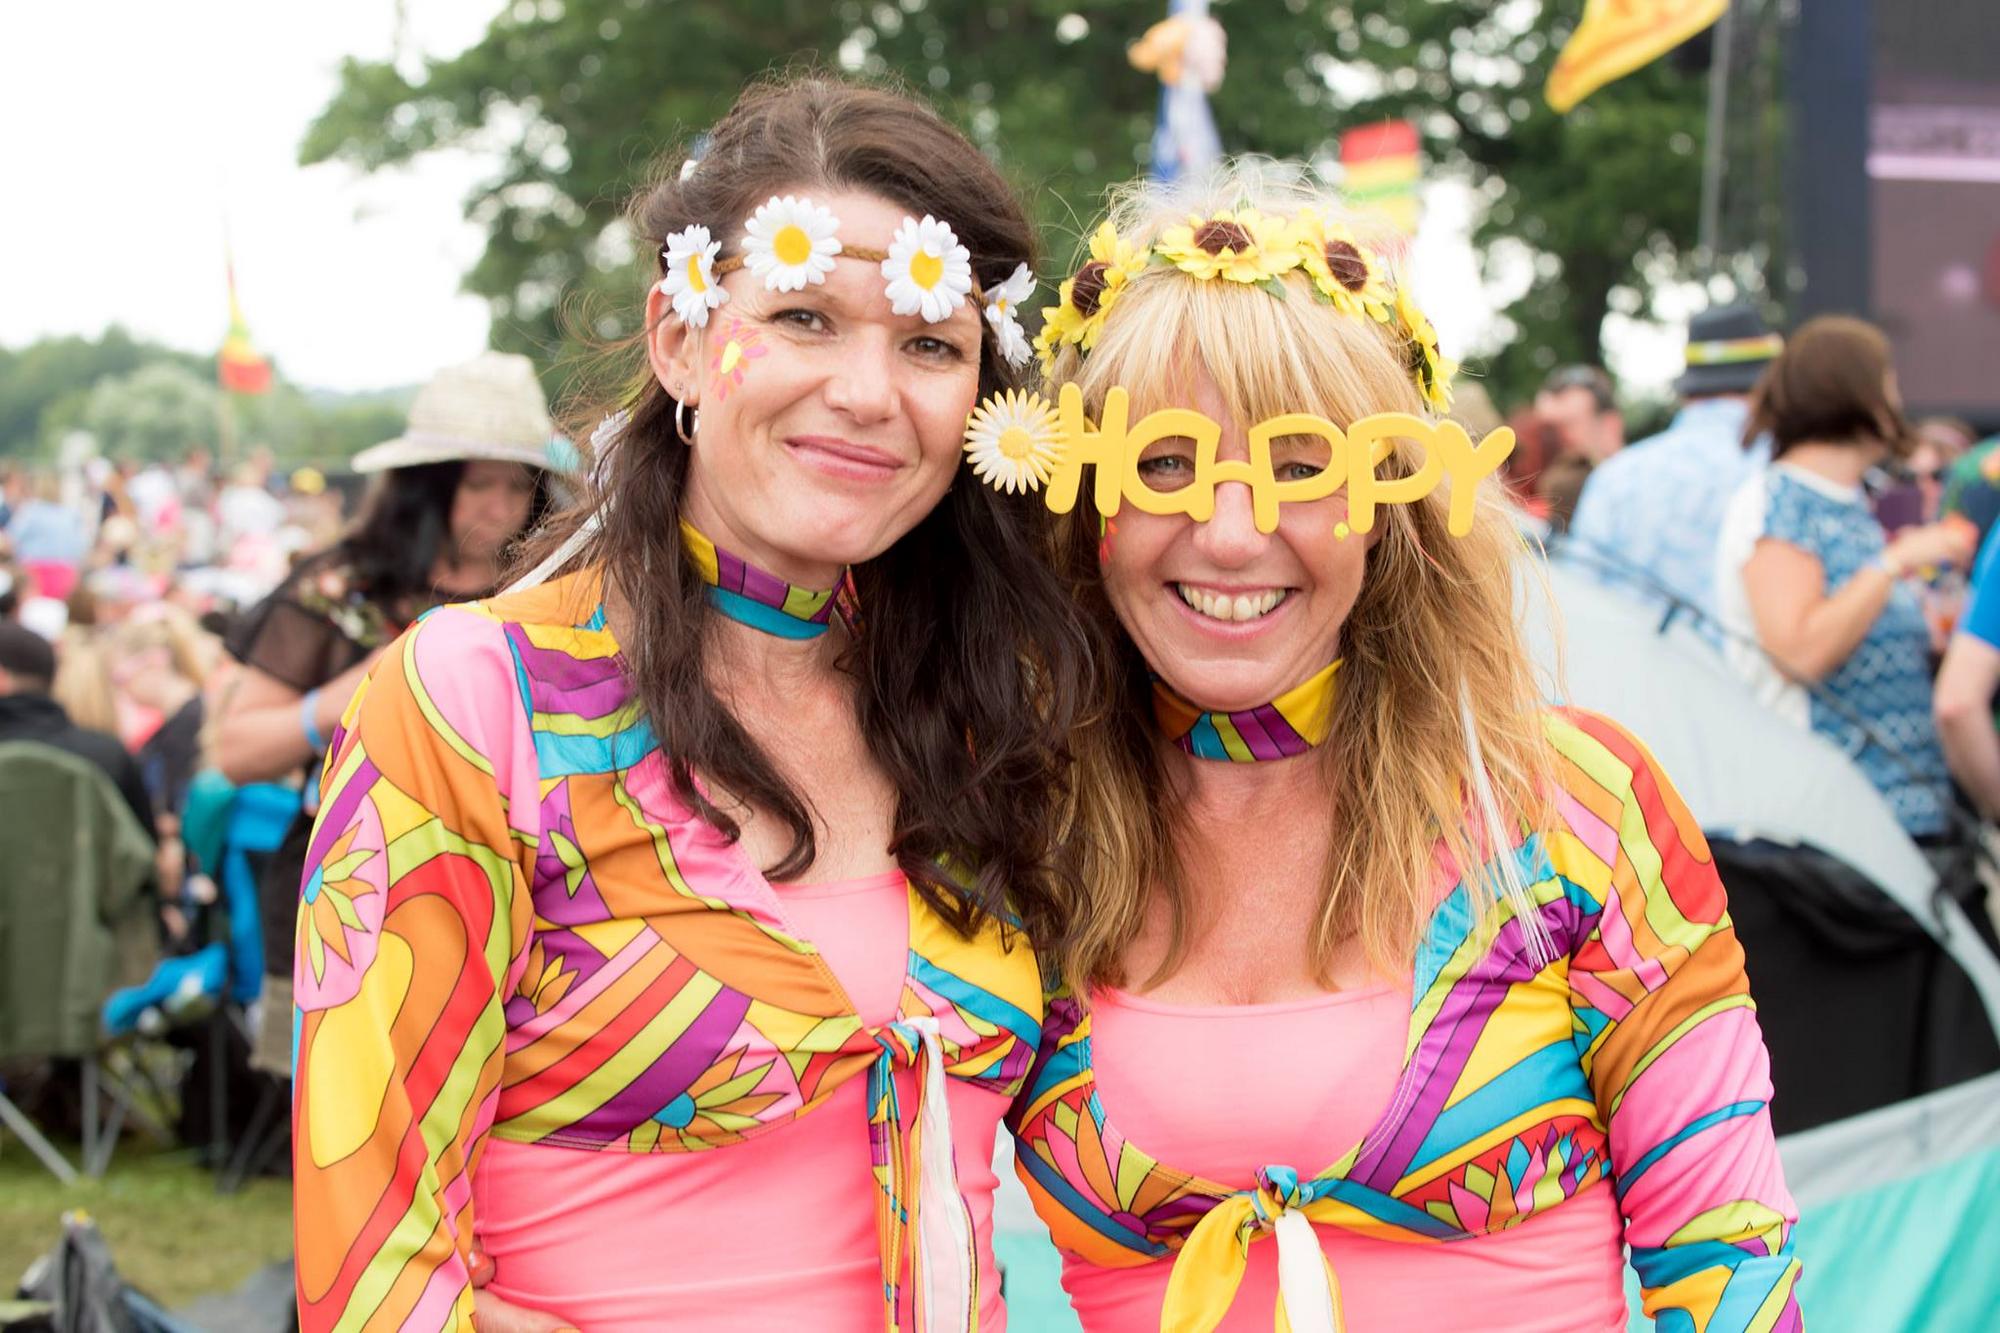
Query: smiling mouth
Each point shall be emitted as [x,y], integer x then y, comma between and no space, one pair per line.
[1236,607]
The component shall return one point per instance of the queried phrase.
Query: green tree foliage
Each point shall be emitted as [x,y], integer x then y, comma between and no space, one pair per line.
[45,385]
[143,400]
[580,94]
[1603,202]
[157,412]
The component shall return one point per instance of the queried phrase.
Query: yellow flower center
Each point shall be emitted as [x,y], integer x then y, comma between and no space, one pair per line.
[695,280]
[925,269]
[1016,443]
[792,246]
[732,356]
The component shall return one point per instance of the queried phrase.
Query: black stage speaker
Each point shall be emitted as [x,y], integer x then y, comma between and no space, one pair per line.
[1895,185]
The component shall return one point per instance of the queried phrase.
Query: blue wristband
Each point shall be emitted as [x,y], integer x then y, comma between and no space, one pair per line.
[307,707]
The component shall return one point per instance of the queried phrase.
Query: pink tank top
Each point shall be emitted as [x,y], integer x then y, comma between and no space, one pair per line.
[777,1234]
[1223,1090]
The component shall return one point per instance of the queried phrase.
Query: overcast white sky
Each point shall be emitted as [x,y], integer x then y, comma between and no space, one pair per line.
[132,128]
[129,129]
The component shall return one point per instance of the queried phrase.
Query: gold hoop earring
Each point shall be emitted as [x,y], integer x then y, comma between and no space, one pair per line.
[681,427]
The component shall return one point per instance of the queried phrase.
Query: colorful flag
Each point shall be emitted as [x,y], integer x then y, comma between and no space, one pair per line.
[240,368]
[1618,36]
[1188,50]
[1383,165]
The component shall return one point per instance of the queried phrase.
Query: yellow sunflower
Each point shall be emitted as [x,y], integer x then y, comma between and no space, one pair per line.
[1241,245]
[1344,271]
[1088,295]
[1429,366]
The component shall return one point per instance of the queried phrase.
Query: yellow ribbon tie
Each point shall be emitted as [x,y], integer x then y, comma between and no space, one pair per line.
[1209,1268]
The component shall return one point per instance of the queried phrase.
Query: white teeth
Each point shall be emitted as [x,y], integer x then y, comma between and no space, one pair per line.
[1241,607]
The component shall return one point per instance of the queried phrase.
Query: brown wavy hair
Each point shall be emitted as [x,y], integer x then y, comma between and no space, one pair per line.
[1831,386]
[1434,672]
[971,662]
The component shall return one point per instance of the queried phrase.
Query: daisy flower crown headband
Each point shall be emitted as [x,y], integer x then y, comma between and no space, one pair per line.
[1019,441]
[790,243]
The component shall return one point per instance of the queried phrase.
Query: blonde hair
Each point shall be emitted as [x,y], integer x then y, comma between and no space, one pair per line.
[1437,752]
[83,681]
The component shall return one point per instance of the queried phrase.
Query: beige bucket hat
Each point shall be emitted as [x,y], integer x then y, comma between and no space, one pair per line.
[491,407]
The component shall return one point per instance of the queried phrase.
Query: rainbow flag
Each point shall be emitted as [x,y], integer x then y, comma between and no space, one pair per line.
[239,368]
[1383,166]
[1617,37]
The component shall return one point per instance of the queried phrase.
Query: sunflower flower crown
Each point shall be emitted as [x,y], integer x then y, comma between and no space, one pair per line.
[791,243]
[1256,249]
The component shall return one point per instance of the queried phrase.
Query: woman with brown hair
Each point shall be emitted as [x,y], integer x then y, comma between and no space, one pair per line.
[1373,954]
[1823,599]
[659,942]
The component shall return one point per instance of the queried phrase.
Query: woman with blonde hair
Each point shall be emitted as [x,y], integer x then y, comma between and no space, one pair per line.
[1373,951]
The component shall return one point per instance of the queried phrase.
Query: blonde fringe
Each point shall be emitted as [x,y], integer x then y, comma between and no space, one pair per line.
[1438,757]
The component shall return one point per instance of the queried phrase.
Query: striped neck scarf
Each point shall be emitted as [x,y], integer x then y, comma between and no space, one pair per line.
[749,596]
[1291,724]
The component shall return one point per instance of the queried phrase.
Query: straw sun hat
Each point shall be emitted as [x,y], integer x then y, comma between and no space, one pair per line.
[491,407]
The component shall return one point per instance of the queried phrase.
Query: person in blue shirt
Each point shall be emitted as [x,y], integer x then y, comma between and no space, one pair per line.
[1649,513]
[1962,699]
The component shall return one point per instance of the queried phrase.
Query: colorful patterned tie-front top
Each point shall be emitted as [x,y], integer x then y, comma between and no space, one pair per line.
[1633,1061]
[500,935]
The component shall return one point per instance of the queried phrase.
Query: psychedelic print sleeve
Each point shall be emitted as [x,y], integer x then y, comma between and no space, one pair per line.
[412,929]
[1671,1045]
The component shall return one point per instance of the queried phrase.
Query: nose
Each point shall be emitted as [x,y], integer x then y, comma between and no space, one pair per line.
[1230,538]
[863,383]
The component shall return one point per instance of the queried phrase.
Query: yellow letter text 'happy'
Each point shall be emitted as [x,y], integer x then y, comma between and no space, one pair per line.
[1115,448]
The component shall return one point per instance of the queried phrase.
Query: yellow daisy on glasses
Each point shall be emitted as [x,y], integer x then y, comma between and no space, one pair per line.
[1012,441]
[790,242]
[1241,245]
[1345,273]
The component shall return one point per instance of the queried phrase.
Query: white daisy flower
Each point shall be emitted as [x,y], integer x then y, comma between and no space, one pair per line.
[1001,302]
[690,282]
[790,242]
[1013,441]
[928,270]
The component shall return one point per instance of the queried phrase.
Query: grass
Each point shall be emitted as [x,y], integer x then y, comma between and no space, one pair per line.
[171,1234]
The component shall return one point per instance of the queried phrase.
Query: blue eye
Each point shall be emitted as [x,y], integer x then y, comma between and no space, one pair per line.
[1166,471]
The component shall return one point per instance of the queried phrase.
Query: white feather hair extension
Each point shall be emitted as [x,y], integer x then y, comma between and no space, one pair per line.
[1499,839]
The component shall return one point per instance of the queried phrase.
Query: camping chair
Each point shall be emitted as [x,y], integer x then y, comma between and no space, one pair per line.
[74,918]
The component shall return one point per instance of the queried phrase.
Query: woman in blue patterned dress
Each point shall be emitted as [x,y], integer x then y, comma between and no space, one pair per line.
[1803,566]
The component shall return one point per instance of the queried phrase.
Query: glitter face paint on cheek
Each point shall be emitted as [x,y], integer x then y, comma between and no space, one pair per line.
[736,346]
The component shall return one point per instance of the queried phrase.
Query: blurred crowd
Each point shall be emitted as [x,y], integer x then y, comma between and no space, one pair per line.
[195,633]
[1826,543]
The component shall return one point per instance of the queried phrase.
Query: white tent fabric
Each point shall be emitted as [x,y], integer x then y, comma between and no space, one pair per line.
[1745,772]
